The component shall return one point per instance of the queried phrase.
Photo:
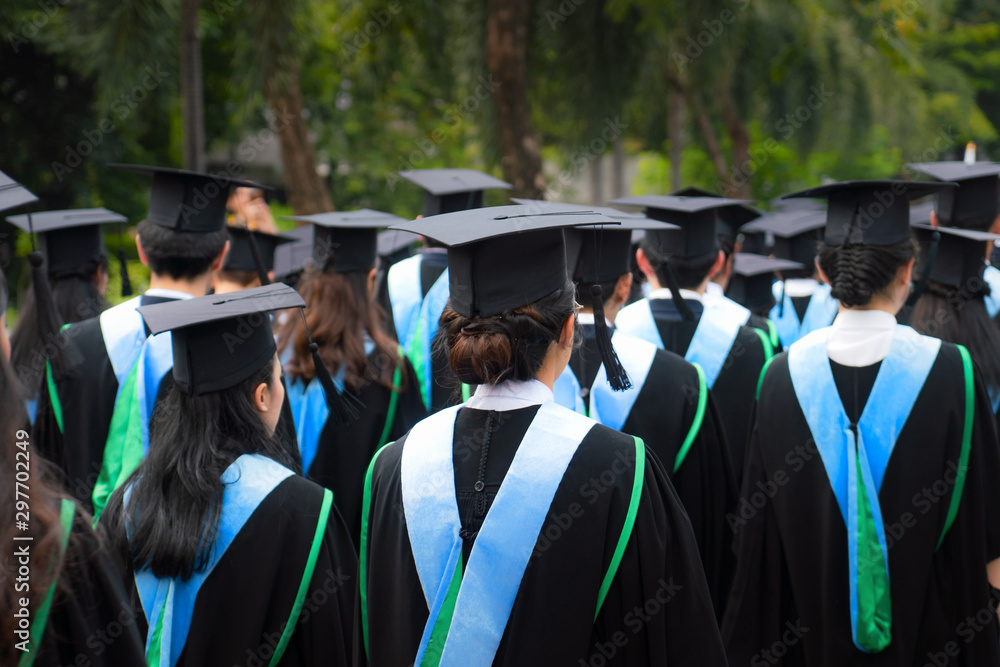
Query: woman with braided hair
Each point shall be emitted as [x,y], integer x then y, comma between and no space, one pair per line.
[871,467]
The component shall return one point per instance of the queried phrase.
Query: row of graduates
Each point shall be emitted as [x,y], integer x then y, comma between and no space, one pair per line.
[685,411]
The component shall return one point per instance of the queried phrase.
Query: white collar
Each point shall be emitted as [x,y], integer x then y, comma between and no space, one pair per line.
[168,293]
[860,337]
[510,395]
[712,291]
[588,318]
[800,287]
[686,294]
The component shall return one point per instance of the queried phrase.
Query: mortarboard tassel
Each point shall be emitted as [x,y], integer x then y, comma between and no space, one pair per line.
[126,282]
[781,306]
[675,292]
[921,285]
[617,376]
[67,356]
[258,262]
[343,405]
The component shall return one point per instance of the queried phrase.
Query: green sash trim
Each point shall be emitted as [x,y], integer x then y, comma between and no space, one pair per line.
[307,575]
[421,366]
[439,635]
[773,332]
[768,348]
[699,416]
[54,396]
[763,371]
[123,449]
[397,388]
[153,656]
[633,509]
[366,502]
[963,460]
[466,392]
[67,511]
[874,621]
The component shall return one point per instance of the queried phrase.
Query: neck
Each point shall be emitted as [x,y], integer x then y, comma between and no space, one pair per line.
[197,286]
[552,367]
[878,302]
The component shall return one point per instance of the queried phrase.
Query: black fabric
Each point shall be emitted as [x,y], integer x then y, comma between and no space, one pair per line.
[91,621]
[586,361]
[552,621]
[432,265]
[791,541]
[344,452]
[800,303]
[854,384]
[244,603]
[736,385]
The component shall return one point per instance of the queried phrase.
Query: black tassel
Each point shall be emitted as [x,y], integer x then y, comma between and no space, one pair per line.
[344,406]
[682,307]
[617,376]
[258,262]
[921,285]
[781,306]
[126,283]
[67,356]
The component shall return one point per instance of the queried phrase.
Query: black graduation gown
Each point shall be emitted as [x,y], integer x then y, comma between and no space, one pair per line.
[706,483]
[244,603]
[552,620]
[344,452]
[763,324]
[736,386]
[91,621]
[790,597]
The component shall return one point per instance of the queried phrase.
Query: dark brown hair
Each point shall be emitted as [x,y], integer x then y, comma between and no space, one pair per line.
[859,272]
[339,310]
[509,346]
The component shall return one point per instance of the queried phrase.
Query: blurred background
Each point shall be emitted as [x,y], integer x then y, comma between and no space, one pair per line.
[576,100]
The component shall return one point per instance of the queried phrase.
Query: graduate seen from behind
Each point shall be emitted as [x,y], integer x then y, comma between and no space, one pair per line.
[510,530]
[871,535]
[235,557]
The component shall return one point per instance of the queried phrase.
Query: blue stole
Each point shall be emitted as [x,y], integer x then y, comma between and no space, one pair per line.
[992,278]
[508,536]
[610,407]
[155,360]
[403,281]
[900,380]
[249,480]
[124,332]
[819,313]
[566,391]
[424,329]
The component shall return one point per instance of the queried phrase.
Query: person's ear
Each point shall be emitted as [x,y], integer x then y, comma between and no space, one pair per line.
[934,219]
[139,249]
[371,281]
[822,274]
[260,397]
[623,288]
[568,331]
[643,262]
[720,262]
[220,258]
[905,273]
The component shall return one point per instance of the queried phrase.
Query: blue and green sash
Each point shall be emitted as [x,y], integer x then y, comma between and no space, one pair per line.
[405,296]
[819,313]
[992,277]
[419,347]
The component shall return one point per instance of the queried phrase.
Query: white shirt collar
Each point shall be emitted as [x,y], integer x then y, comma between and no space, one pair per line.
[860,337]
[686,294]
[168,293]
[712,291]
[510,395]
[588,318]
[800,287]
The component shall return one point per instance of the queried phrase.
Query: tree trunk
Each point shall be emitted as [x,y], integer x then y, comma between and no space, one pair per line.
[192,112]
[740,137]
[596,182]
[618,178]
[726,186]
[675,127]
[507,59]
[307,193]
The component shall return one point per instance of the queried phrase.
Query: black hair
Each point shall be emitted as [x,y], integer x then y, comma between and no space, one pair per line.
[508,346]
[958,315]
[689,273]
[76,298]
[180,255]
[585,296]
[175,502]
[857,272]
[237,276]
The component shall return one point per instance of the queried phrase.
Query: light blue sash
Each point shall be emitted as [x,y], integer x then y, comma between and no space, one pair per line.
[309,413]
[155,360]
[425,328]
[712,340]
[566,390]
[405,297]
[731,309]
[992,277]
[249,480]
[637,320]
[124,333]
[900,380]
[508,535]
[819,313]
[610,407]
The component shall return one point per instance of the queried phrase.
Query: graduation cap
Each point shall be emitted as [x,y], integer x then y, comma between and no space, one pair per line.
[796,233]
[920,214]
[70,240]
[505,257]
[290,259]
[869,212]
[752,278]
[13,194]
[451,190]
[348,238]
[973,205]
[187,201]
[731,218]
[252,250]
[960,258]
[394,245]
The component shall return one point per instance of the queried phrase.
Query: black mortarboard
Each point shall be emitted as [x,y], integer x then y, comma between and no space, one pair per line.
[731,218]
[974,204]
[71,240]
[920,214]
[697,217]
[241,257]
[291,258]
[796,233]
[961,255]
[451,190]
[502,257]
[869,212]
[13,194]
[348,238]
[752,278]
[220,340]
[394,244]
[187,201]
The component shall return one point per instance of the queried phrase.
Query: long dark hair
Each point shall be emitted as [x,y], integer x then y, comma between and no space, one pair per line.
[858,272]
[76,299]
[176,492]
[339,311]
[958,315]
[508,346]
